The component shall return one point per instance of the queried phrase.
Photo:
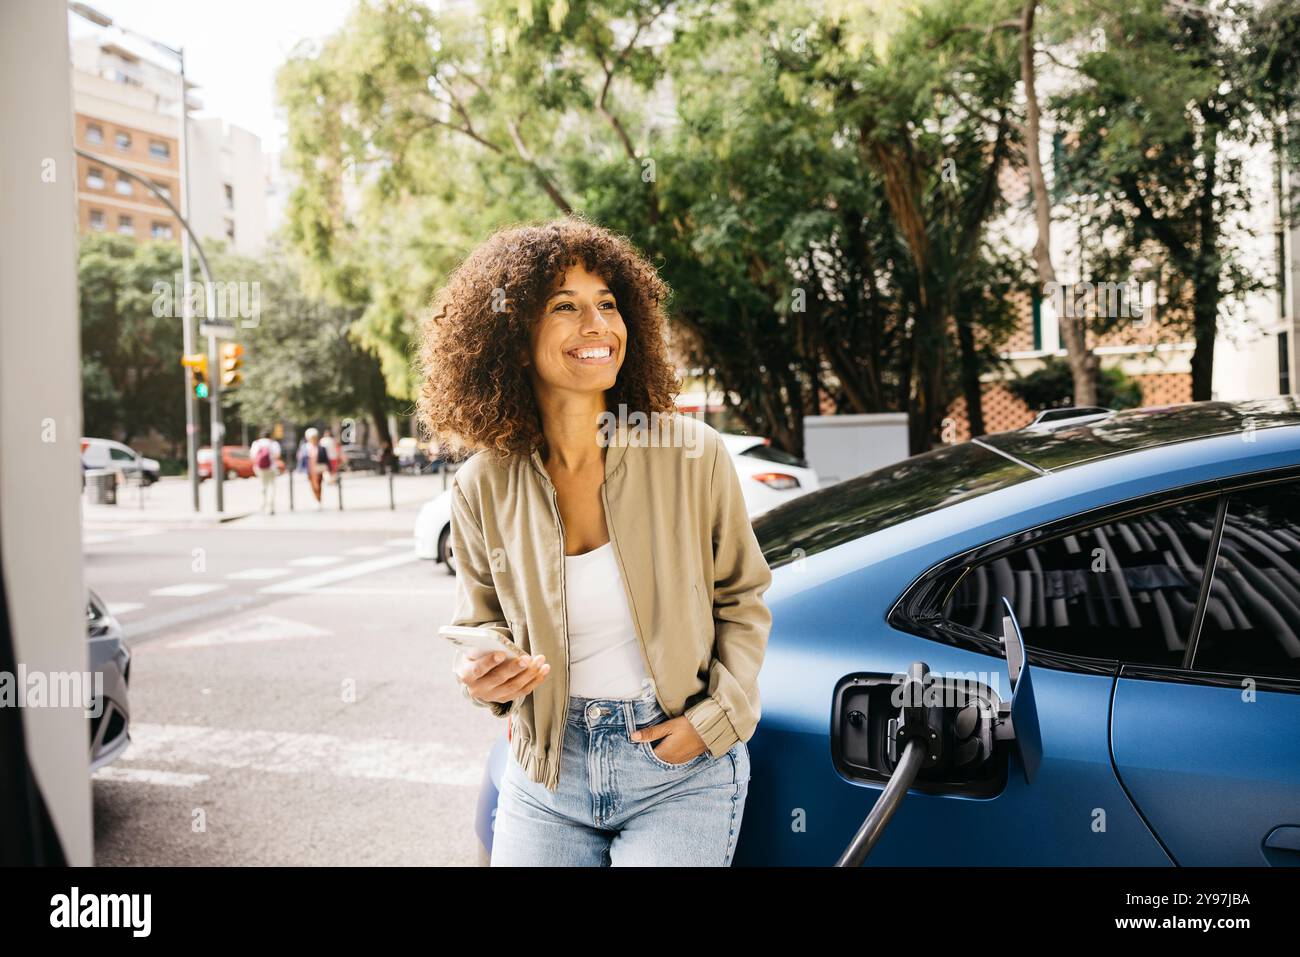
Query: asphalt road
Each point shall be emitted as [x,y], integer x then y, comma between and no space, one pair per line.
[291,702]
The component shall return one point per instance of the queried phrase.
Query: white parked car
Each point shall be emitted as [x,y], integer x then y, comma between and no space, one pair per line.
[107,454]
[433,532]
[768,478]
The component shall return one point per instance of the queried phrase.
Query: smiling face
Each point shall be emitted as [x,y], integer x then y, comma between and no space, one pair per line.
[579,341]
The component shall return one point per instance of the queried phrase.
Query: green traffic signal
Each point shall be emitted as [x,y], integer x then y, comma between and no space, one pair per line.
[200,390]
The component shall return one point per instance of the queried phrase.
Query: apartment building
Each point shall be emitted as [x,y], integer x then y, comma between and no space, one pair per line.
[127,111]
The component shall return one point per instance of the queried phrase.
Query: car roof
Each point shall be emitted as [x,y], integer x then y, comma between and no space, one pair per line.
[1168,441]
[738,443]
[1050,448]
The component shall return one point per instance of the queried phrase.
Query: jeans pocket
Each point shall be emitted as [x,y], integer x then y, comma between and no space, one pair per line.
[647,748]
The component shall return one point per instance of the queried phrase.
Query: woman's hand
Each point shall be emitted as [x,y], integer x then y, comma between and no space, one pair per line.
[495,677]
[682,744]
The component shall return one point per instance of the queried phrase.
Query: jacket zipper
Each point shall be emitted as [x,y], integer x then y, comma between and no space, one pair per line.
[564,609]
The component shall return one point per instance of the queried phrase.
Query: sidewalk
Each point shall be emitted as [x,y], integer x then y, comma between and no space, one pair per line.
[365,504]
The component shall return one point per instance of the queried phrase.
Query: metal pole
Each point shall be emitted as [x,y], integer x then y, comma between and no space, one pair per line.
[191,411]
[338,480]
[218,427]
[392,502]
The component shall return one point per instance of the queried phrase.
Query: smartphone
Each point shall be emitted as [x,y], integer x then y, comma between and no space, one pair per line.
[476,642]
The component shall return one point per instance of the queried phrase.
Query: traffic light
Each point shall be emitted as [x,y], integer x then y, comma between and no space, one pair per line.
[231,353]
[197,363]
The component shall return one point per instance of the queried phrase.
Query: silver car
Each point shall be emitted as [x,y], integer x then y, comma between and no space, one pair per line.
[110,657]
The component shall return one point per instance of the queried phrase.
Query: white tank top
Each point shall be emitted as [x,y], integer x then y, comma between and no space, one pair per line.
[604,655]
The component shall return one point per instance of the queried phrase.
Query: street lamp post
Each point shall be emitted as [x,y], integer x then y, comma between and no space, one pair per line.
[191,424]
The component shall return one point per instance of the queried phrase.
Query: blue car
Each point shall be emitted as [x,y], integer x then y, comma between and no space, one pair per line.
[1148,564]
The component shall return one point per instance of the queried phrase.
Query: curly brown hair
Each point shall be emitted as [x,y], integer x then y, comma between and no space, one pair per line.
[475,392]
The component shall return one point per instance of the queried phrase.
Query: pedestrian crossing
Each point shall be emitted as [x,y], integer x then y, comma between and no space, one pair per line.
[158,751]
[325,575]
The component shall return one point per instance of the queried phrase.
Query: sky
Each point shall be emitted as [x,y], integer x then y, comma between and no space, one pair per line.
[232,48]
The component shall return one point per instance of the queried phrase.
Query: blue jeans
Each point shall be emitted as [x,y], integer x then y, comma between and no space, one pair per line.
[617,802]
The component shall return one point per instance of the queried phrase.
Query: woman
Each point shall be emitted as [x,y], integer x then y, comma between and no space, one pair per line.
[316,461]
[599,531]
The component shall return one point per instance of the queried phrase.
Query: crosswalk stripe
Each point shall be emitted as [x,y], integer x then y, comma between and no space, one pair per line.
[173,779]
[291,752]
[311,583]
[259,628]
[187,591]
[258,574]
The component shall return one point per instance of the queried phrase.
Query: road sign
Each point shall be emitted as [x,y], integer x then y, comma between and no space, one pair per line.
[221,328]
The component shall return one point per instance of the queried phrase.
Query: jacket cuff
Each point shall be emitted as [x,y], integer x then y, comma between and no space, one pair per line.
[498,708]
[711,721]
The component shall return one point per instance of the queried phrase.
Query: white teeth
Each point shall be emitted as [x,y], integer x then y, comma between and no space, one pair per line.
[599,353]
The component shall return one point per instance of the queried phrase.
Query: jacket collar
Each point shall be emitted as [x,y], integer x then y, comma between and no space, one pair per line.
[613,455]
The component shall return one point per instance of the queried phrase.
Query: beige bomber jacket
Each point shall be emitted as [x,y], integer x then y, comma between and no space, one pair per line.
[691,565]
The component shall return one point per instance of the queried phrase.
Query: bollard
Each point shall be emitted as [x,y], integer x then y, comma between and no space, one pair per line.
[290,472]
[338,480]
[392,503]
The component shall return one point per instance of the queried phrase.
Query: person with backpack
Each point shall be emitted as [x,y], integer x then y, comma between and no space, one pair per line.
[265,453]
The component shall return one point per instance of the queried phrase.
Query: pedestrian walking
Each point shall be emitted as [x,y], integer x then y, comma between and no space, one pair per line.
[630,564]
[315,461]
[332,450]
[267,459]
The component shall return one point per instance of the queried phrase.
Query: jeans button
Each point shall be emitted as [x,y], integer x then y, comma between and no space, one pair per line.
[595,711]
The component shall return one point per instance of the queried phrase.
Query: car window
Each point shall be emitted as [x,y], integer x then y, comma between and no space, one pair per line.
[1124,590]
[121,455]
[1252,617]
[878,499]
[770,454]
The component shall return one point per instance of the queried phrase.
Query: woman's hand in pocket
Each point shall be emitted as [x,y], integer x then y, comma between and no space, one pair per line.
[681,742]
[498,677]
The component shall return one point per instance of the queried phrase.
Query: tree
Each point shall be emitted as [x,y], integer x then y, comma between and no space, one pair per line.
[302,361]
[132,378]
[1161,122]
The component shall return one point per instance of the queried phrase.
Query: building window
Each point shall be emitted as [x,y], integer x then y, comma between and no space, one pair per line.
[163,188]
[159,150]
[230,196]
[95,178]
[161,230]
[122,140]
[1283,363]
[94,133]
[124,186]
[230,229]
[1038,321]
[126,225]
[97,220]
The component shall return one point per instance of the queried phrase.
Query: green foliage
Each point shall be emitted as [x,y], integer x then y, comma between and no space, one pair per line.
[814,178]
[1052,387]
[132,378]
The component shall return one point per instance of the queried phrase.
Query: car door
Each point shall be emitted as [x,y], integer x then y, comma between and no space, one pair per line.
[1089,593]
[1209,750]
[1090,596]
